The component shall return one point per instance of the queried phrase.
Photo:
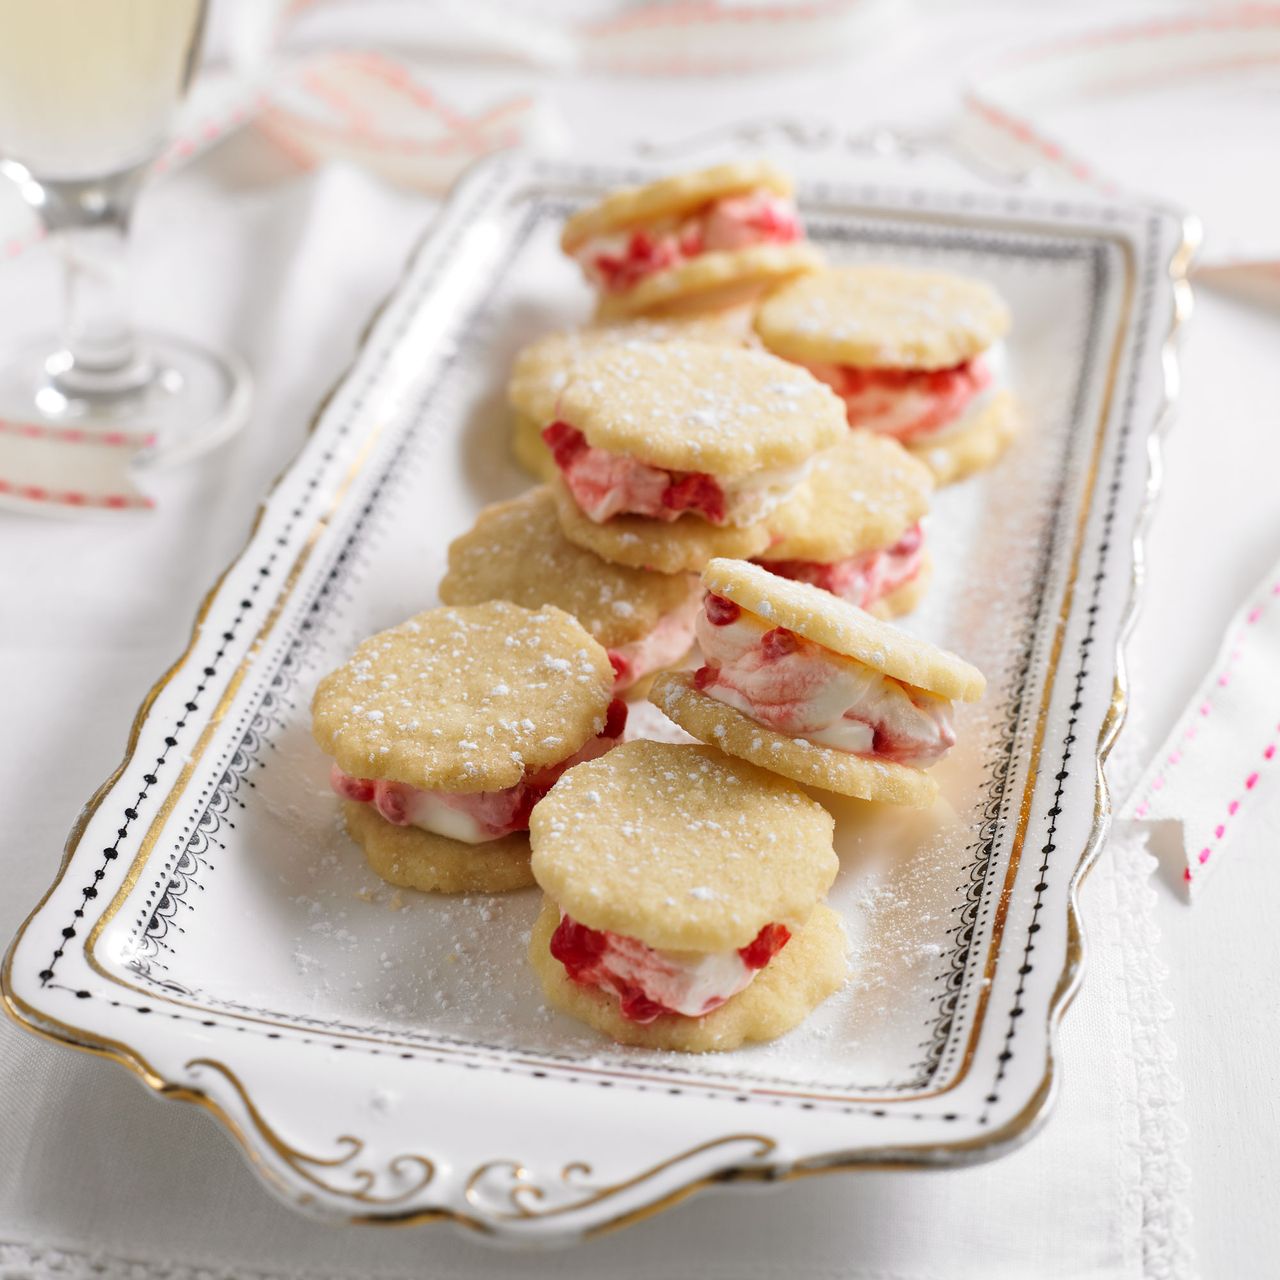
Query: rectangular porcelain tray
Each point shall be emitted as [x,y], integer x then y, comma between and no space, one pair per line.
[384,1056]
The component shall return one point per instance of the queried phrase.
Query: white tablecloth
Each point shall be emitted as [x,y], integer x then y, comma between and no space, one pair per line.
[286,271]
[92,1171]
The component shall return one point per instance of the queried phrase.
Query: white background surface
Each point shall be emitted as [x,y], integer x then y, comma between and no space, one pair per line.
[90,614]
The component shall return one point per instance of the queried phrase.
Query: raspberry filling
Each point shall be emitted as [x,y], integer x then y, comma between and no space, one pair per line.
[804,690]
[607,484]
[907,403]
[618,261]
[862,579]
[475,817]
[649,982]
[668,642]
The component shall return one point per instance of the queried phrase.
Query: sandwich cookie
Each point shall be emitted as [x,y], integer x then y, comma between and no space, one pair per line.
[683,896]
[517,552]
[800,682]
[671,453]
[856,531]
[446,730]
[917,355]
[543,368]
[690,241]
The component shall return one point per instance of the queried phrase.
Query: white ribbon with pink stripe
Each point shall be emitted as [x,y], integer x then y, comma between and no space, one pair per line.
[1221,754]
[69,469]
[1132,67]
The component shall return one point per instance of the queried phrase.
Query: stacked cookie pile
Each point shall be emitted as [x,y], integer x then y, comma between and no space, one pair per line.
[739,453]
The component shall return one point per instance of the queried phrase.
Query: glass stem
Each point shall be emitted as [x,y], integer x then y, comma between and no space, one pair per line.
[89,221]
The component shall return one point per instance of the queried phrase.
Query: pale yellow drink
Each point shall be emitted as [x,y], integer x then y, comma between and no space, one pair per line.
[87,87]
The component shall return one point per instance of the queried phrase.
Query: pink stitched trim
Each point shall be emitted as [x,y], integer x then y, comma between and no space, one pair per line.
[75,498]
[76,435]
[397,146]
[471,128]
[1160,77]
[1243,18]
[20,244]
[301,156]
[1233,807]
[358,119]
[1206,707]
[1052,151]
[206,133]
[470,135]
[691,12]
[682,66]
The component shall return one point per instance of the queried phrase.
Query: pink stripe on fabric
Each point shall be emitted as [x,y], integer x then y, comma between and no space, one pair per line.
[1233,807]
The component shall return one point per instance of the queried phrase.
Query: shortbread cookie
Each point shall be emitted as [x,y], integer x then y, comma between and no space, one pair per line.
[917,355]
[863,493]
[613,846]
[412,858]
[465,699]
[811,967]
[516,551]
[855,527]
[708,237]
[881,317]
[974,445]
[447,729]
[631,207]
[814,615]
[801,682]
[693,408]
[529,448]
[679,451]
[674,876]
[543,368]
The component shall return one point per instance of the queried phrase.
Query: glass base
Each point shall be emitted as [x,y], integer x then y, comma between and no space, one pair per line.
[181,397]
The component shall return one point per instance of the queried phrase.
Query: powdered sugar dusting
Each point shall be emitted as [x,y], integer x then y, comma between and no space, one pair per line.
[472,676]
[692,407]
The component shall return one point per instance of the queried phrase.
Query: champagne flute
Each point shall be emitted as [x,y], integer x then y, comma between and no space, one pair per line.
[88,90]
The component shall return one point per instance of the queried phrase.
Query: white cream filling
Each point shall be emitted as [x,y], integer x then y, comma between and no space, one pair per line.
[687,982]
[683,983]
[748,499]
[664,646]
[459,815]
[428,812]
[815,694]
